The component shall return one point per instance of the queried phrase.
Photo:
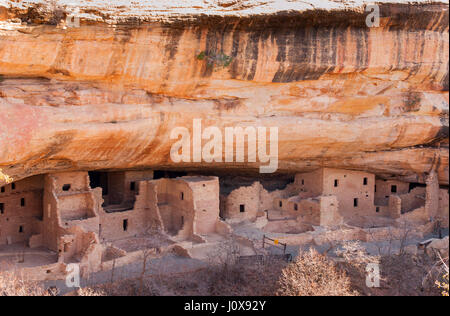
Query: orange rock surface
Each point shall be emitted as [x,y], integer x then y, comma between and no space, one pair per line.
[107,94]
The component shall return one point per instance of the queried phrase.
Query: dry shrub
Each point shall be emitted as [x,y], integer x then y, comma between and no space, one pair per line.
[353,252]
[443,285]
[90,292]
[400,274]
[228,276]
[249,279]
[441,272]
[355,260]
[223,265]
[13,284]
[117,288]
[313,274]
[406,275]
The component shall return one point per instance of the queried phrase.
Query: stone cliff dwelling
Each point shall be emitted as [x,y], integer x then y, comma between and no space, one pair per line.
[98,218]
[329,197]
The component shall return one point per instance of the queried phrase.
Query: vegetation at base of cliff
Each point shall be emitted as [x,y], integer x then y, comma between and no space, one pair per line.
[1,78]
[215,60]
[13,284]
[444,285]
[314,274]
[310,274]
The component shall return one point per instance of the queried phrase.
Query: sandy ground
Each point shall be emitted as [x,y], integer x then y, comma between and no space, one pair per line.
[170,264]
[23,257]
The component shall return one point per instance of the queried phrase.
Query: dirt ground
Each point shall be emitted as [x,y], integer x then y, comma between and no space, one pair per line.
[404,275]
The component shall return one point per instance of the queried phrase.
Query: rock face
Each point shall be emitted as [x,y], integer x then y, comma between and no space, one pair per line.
[107,94]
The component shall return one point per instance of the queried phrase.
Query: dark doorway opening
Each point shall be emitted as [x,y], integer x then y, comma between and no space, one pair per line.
[412,186]
[99,180]
[160,174]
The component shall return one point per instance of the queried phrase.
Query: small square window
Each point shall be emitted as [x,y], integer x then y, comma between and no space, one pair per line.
[242,208]
[365,181]
[22,202]
[132,186]
[66,187]
[296,207]
[336,183]
[20,229]
[13,186]
[378,209]
[2,189]
[394,189]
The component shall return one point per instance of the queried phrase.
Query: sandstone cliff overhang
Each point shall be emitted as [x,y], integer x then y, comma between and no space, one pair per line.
[107,94]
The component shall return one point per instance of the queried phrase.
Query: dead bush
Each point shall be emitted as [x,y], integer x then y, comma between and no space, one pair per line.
[440,273]
[313,274]
[130,287]
[224,267]
[13,284]
[443,285]
[90,292]
[354,262]
[353,252]
[406,275]
[228,275]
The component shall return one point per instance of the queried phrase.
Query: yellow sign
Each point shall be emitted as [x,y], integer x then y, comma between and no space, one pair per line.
[276,242]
